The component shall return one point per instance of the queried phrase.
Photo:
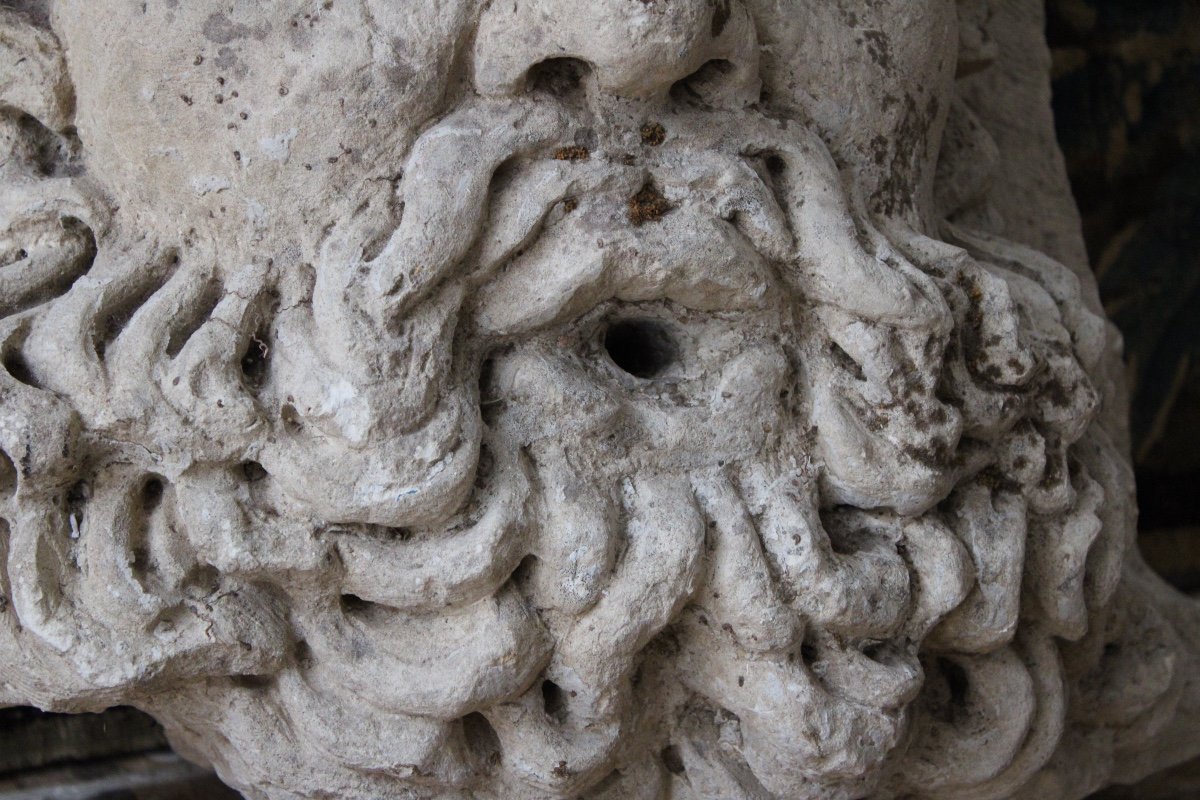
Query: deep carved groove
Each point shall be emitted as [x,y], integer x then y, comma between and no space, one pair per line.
[703,86]
[16,366]
[112,319]
[185,325]
[481,739]
[8,476]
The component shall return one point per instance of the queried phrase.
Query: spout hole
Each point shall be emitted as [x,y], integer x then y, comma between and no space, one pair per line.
[641,347]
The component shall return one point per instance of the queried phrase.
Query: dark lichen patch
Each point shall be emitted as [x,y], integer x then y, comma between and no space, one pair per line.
[1055,470]
[1057,394]
[996,480]
[898,157]
[936,455]
[648,205]
[653,134]
[879,48]
[218,28]
[574,152]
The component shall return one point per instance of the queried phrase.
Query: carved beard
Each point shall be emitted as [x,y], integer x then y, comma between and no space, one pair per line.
[746,503]
[759,488]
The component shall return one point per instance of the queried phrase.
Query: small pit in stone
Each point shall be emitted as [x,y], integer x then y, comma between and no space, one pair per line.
[481,738]
[554,701]
[354,606]
[956,681]
[254,361]
[152,493]
[641,347]
[673,760]
[561,77]
[252,471]
[290,418]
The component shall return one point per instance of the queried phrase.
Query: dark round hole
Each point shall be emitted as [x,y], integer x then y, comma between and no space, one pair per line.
[554,700]
[254,361]
[956,681]
[253,471]
[353,604]
[641,347]
[152,493]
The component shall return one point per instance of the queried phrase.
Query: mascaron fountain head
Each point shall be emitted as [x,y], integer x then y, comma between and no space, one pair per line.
[624,399]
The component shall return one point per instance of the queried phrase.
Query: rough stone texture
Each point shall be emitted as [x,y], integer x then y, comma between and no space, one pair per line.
[611,400]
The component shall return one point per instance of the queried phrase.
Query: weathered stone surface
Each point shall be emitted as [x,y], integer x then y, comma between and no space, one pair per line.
[625,399]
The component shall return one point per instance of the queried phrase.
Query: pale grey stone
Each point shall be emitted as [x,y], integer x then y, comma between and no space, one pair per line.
[624,399]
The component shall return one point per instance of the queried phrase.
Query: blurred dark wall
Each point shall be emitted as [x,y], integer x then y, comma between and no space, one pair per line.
[1127,110]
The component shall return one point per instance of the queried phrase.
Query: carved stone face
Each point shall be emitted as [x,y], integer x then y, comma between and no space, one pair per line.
[618,399]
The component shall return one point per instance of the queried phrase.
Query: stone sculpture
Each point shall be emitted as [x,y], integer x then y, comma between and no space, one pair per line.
[623,399]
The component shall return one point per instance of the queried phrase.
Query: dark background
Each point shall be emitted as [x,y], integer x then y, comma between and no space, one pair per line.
[1126,82]
[1127,112]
